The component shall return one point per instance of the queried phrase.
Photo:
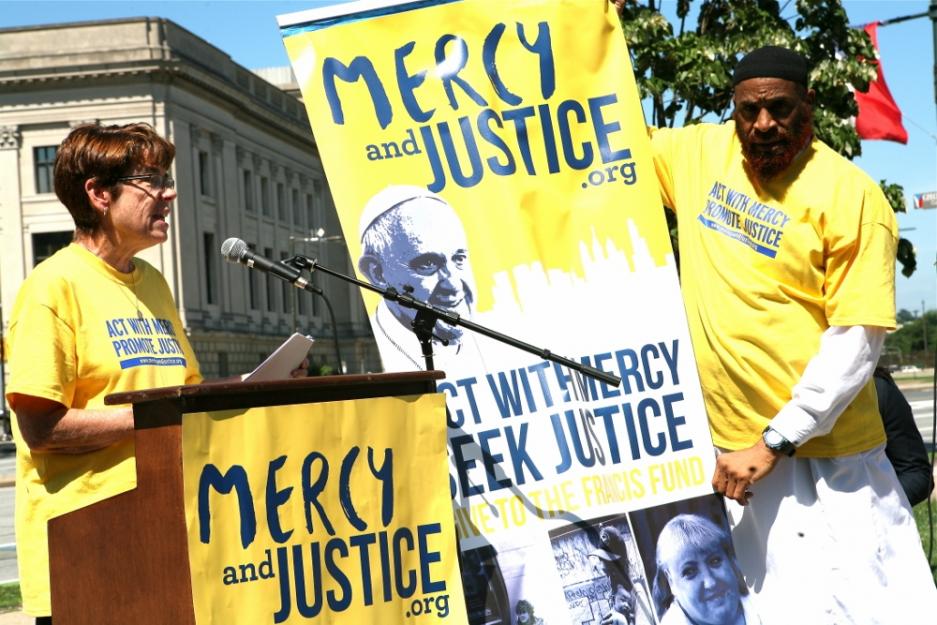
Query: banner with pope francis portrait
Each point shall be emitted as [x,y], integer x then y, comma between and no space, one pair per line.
[491,159]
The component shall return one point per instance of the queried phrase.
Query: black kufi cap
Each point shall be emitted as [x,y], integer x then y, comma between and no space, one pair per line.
[772,62]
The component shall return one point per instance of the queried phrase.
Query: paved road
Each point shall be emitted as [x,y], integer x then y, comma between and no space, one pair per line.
[922,405]
[8,570]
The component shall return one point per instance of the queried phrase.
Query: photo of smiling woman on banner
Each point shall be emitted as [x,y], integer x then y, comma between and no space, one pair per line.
[697,578]
[688,553]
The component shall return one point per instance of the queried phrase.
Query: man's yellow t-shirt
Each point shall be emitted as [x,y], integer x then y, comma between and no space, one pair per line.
[79,331]
[766,268]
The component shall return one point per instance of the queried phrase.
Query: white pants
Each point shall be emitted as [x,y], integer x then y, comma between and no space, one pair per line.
[832,541]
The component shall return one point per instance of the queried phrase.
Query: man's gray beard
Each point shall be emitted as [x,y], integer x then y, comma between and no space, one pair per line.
[769,167]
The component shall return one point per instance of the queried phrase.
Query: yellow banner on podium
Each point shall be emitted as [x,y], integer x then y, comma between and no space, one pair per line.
[336,512]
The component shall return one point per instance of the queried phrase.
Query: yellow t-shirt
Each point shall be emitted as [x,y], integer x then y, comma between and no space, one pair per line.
[79,331]
[766,268]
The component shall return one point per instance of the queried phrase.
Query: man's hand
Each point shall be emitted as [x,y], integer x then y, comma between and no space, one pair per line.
[619,6]
[736,471]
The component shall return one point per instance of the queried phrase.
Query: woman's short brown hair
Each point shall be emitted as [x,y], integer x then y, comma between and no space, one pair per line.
[104,153]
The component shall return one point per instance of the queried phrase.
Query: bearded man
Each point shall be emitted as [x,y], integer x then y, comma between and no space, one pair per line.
[787,255]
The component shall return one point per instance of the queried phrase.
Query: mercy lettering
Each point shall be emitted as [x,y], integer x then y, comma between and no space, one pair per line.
[361,68]
[755,223]
[313,478]
[503,134]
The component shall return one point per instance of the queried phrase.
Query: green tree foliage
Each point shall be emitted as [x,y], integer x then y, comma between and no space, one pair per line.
[686,73]
[910,337]
[906,256]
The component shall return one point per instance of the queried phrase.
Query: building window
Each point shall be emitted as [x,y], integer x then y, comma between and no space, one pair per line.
[265,196]
[204,174]
[44,158]
[223,365]
[294,204]
[287,287]
[310,211]
[271,286]
[281,203]
[252,282]
[208,239]
[45,244]
[248,191]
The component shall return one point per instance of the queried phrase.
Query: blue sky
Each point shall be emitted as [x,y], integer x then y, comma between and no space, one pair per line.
[247,31]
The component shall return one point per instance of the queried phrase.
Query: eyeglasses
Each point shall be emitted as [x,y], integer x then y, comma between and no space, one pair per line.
[157,181]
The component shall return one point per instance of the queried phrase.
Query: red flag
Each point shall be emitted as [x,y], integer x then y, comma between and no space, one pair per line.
[879,115]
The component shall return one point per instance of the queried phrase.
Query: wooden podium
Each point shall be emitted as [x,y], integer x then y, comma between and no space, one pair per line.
[125,560]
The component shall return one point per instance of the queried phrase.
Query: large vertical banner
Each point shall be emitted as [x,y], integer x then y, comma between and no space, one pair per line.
[324,513]
[491,158]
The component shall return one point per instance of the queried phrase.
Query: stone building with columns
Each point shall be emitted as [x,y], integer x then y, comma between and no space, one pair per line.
[246,166]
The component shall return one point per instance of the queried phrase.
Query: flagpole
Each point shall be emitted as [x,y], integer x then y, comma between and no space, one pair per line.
[905,18]
[932,10]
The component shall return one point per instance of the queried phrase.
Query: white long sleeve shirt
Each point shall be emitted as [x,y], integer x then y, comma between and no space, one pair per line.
[832,379]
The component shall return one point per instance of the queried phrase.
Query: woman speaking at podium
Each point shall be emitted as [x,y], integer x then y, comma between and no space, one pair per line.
[91,320]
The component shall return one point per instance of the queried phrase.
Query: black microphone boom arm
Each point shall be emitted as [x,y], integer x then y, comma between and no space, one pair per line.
[235,250]
[427,315]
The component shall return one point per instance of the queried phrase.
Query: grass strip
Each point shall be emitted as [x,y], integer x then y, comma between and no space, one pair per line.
[10,596]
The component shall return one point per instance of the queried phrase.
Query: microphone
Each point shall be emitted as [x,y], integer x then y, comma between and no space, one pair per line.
[235,250]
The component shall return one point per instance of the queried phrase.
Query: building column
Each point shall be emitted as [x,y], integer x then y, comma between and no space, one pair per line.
[11,218]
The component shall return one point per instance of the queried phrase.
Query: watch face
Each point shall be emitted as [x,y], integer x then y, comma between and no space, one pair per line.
[773,439]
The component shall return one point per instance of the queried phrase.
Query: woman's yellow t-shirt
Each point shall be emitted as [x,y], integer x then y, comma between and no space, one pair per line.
[79,331]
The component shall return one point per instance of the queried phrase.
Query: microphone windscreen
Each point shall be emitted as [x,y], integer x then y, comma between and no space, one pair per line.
[232,249]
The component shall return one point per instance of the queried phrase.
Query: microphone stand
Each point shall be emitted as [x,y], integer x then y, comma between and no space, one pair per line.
[427,315]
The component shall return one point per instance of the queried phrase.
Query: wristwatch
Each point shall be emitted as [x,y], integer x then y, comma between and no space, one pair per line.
[774,441]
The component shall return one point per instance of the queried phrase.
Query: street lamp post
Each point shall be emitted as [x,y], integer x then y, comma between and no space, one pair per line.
[924,328]
[932,12]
